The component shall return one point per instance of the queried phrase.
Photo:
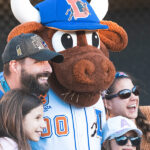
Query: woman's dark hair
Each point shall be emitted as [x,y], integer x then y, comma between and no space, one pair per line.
[142,123]
[14,105]
[141,120]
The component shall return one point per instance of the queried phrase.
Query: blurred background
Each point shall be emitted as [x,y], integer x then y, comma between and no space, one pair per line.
[133,16]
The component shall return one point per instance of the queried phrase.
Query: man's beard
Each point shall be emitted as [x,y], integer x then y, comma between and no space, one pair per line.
[29,82]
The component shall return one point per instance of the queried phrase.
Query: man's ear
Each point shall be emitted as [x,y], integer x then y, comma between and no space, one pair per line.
[14,66]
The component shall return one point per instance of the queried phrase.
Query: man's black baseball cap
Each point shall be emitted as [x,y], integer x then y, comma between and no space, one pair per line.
[29,45]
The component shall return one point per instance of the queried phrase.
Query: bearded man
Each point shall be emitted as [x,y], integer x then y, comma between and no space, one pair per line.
[26,64]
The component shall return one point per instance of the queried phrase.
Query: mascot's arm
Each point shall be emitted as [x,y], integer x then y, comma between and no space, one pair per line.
[115,38]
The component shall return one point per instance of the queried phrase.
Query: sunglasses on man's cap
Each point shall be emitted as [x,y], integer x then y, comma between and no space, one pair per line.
[123,94]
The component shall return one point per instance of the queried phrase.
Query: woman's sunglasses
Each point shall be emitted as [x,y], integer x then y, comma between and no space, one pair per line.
[122,140]
[123,94]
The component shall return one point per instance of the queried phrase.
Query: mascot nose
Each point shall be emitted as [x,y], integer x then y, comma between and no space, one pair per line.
[83,70]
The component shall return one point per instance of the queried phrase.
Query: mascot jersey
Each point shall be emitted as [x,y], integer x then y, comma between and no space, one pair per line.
[69,127]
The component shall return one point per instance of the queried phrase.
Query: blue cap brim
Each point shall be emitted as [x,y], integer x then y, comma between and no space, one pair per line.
[73,26]
[46,55]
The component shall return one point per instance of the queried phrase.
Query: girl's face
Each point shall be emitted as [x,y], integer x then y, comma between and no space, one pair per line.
[125,107]
[127,146]
[34,124]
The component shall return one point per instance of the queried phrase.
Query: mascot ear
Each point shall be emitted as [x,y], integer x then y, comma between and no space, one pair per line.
[28,27]
[115,38]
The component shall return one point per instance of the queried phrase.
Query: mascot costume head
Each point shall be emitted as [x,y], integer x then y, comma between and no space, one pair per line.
[72,28]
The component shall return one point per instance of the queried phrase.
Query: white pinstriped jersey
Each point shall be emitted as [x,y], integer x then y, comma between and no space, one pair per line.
[69,127]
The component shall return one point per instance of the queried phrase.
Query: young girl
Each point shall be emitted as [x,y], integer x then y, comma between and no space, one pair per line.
[21,119]
[121,133]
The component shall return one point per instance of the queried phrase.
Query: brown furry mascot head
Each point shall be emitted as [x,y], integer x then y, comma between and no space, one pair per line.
[72,28]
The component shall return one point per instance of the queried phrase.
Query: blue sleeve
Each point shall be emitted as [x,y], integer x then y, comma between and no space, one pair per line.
[1,94]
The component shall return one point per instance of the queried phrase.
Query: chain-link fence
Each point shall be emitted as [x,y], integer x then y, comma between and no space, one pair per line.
[133,15]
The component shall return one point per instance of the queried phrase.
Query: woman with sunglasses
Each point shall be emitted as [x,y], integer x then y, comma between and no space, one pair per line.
[121,133]
[122,98]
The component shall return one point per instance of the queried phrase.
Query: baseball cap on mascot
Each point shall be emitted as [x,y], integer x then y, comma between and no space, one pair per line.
[68,15]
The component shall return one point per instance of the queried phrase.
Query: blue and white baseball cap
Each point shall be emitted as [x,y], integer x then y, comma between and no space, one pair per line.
[118,126]
[68,15]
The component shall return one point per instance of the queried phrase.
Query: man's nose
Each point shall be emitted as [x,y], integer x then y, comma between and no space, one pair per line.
[47,66]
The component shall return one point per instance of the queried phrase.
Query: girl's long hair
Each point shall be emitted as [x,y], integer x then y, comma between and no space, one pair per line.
[14,105]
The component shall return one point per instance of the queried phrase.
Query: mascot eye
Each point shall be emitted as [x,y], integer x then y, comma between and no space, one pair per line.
[64,40]
[93,39]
